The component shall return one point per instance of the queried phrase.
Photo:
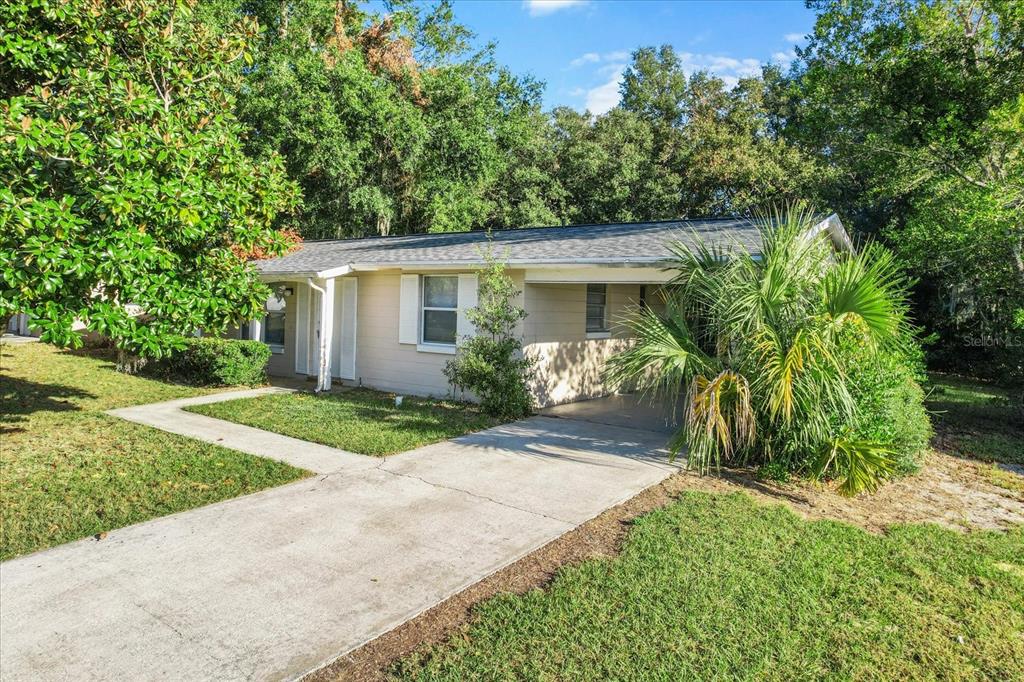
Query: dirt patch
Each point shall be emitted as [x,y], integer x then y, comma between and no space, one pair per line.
[948,490]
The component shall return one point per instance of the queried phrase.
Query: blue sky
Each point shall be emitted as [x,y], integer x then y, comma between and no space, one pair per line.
[580,47]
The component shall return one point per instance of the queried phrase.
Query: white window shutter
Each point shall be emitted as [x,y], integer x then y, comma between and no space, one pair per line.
[467,300]
[409,309]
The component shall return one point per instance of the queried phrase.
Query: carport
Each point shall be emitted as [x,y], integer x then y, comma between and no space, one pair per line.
[625,410]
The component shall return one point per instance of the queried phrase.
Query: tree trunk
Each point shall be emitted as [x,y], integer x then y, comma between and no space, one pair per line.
[340,10]
[282,29]
[129,363]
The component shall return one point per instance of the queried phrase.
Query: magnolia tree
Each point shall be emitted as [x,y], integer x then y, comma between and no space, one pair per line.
[126,189]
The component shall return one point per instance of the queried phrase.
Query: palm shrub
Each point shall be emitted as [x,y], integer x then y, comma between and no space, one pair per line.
[764,352]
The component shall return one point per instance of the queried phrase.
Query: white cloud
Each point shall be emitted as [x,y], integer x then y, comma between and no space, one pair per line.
[784,59]
[612,65]
[588,58]
[616,57]
[793,37]
[610,68]
[729,69]
[604,97]
[539,8]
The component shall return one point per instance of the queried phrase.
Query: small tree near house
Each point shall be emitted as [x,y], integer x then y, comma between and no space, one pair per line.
[491,364]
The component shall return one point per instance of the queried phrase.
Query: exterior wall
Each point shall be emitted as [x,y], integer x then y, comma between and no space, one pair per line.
[280,364]
[569,364]
[18,324]
[381,361]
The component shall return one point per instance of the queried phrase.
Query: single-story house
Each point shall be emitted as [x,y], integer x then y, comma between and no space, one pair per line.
[387,312]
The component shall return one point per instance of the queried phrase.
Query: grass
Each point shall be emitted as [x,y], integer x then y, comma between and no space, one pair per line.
[67,470]
[981,422]
[722,587]
[359,420]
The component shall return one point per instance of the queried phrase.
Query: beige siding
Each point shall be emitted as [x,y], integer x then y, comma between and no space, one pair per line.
[280,364]
[382,362]
[569,364]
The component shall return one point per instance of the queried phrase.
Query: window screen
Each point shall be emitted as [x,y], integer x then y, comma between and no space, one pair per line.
[597,299]
[440,308]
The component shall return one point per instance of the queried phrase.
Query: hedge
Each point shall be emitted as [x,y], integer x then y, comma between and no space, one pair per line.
[212,361]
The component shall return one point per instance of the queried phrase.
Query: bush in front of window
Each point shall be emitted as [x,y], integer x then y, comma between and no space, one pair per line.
[212,361]
[491,363]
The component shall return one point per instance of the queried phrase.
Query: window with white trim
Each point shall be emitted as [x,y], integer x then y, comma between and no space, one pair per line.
[273,323]
[597,308]
[439,309]
[269,329]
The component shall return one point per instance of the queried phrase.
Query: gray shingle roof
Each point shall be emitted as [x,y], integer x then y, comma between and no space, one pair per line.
[612,243]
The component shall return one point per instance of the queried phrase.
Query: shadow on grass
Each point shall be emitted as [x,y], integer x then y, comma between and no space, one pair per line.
[977,421]
[153,370]
[21,398]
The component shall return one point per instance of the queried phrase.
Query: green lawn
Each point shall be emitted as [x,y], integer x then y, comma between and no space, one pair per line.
[68,471]
[979,421]
[984,422]
[359,420]
[722,587]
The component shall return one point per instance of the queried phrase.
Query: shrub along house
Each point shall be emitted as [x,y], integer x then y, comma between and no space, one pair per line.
[387,312]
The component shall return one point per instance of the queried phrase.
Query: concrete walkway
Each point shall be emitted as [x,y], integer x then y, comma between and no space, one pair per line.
[275,584]
[168,416]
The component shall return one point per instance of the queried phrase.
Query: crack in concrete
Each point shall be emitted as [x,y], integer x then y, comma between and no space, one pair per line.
[201,645]
[380,467]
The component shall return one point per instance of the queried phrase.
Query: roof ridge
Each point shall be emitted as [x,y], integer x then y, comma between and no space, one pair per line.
[528,228]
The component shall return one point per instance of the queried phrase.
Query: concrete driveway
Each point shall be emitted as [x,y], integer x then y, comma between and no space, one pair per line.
[276,584]
[629,410]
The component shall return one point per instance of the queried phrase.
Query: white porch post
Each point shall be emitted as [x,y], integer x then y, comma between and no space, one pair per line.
[326,289]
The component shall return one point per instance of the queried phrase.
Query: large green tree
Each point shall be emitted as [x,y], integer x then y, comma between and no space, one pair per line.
[612,168]
[920,106]
[680,146]
[387,120]
[125,185]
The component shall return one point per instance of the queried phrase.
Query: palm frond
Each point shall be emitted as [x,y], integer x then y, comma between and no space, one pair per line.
[775,287]
[867,287]
[697,281]
[860,465]
[719,419]
[663,357]
[800,382]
